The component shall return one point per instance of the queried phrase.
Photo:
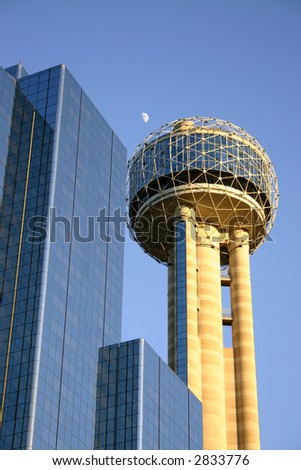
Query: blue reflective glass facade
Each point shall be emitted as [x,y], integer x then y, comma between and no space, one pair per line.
[17,71]
[142,403]
[62,173]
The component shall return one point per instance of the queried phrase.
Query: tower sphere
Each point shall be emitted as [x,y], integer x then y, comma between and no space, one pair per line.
[210,165]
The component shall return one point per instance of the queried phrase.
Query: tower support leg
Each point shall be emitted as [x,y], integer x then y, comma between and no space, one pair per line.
[243,342]
[171,312]
[184,349]
[211,334]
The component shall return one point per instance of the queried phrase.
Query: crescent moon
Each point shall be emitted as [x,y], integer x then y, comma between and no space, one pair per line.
[145,117]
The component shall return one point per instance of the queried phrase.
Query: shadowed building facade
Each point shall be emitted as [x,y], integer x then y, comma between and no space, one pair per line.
[60,299]
[202,197]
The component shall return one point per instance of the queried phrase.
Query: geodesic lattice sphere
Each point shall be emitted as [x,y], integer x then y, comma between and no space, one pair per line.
[209,164]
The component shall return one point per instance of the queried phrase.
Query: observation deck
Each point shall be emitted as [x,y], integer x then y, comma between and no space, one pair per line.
[211,165]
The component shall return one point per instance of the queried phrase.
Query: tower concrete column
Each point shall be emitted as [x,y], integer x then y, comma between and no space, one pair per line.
[182,303]
[171,311]
[211,334]
[243,342]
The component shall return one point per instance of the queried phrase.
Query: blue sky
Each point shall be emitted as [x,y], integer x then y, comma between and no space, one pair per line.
[236,60]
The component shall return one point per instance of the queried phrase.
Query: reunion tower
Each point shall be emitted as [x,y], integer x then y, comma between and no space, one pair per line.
[202,197]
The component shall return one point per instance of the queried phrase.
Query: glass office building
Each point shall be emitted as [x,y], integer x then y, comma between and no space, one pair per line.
[142,403]
[61,168]
[66,381]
